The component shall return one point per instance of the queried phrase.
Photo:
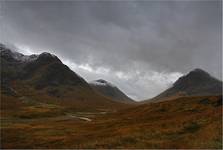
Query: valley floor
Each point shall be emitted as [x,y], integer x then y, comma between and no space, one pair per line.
[190,122]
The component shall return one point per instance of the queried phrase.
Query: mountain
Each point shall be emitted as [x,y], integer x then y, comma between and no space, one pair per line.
[109,90]
[46,78]
[44,104]
[196,83]
[48,70]
[41,71]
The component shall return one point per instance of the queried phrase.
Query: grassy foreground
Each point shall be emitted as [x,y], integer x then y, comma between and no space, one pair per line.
[189,122]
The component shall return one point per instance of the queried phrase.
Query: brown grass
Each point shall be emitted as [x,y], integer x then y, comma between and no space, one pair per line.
[191,122]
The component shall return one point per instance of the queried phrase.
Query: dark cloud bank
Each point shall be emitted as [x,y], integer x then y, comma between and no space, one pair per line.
[140,46]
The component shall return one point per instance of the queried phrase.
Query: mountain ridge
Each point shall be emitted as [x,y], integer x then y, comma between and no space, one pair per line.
[47,78]
[108,89]
[196,83]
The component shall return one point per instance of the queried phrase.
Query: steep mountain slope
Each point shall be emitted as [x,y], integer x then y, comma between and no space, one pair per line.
[109,90]
[48,70]
[44,69]
[46,78]
[40,71]
[195,83]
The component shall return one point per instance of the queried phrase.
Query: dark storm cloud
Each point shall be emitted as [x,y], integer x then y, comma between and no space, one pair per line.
[150,36]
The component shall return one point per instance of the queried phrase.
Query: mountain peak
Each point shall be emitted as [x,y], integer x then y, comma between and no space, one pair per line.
[46,54]
[107,89]
[194,77]
[13,55]
[198,71]
[196,83]
[48,57]
[102,82]
[43,70]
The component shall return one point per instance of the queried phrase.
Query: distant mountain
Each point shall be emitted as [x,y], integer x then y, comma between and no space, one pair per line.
[195,83]
[109,90]
[45,77]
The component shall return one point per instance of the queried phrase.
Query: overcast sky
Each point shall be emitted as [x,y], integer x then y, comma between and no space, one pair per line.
[142,47]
